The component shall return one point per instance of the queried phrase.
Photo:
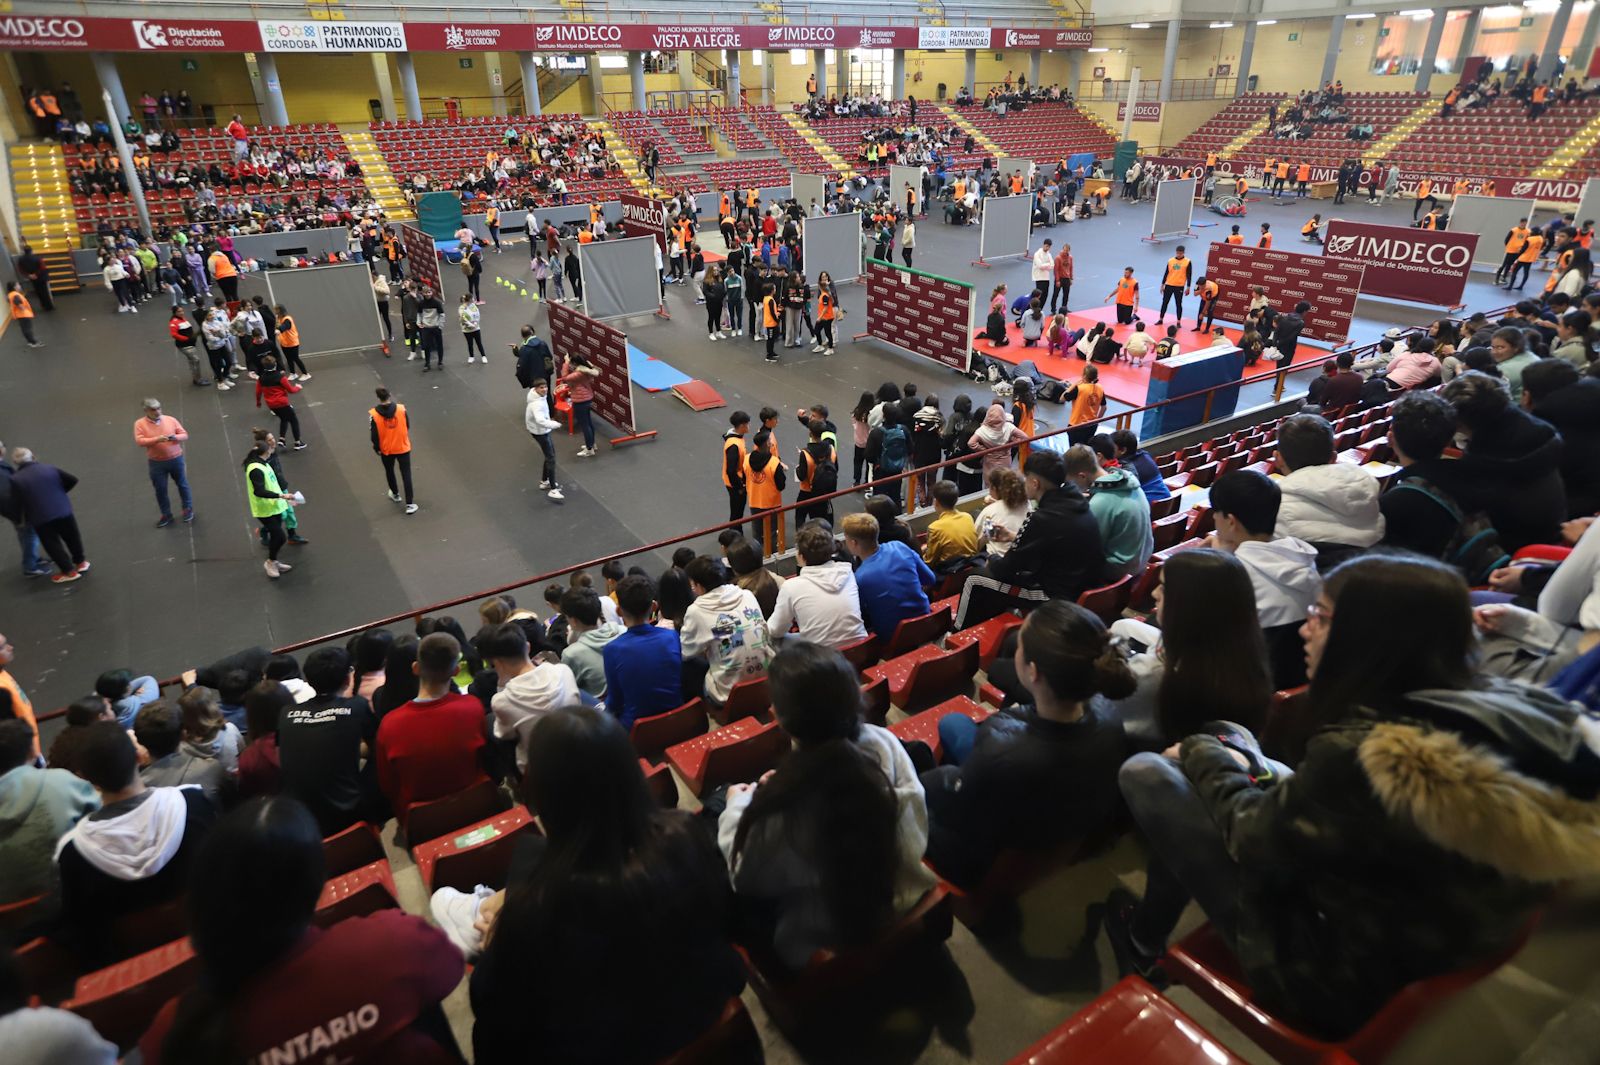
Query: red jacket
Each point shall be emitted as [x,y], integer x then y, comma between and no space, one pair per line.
[277,392]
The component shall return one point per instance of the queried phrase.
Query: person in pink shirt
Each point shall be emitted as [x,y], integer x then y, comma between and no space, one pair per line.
[1416,365]
[162,437]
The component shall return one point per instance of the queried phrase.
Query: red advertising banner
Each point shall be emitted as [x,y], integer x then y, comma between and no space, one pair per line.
[923,313]
[606,349]
[1289,277]
[1420,265]
[52,32]
[1141,112]
[644,217]
[1559,190]
[422,258]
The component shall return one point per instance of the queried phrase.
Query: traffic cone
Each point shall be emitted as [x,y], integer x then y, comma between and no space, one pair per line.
[524,292]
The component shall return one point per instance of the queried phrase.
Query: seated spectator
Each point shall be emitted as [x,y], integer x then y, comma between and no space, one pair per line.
[1040,773]
[286,671]
[822,600]
[1131,456]
[834,837]
[399,678]
[1509,347]
[891,528]
[131,854]
[1419,774]
[528,690]
[80,712]
[126,692]
[37,807]
[1006,508]
[1510,465]
[724,625]
[321,743]
[206,733]
[1343,388]
[1246,506]
[1056,555]
[890,577]
[644,668]
[433,745]
[1333,506]
[752,576]
[44,1033]
[1416,366]
[587,636]
[1553,392]
[368,652]
[260,772]
[952,536]
[159,730]
[268,974]
[1535,645]
[1120,509]
[233,685]
[617,893]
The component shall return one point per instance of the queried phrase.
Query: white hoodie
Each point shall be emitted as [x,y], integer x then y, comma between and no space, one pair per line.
[536,416]
[727,626]
[1284,573]
[139,843]
[1332,504]
[826,604]
[517,707]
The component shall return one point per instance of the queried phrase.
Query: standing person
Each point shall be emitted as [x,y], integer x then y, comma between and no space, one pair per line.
[534,360]
[796,297]
[408,318]
[537,420]
[289,342]
[734,452]
[540,269]
[1175,284]
[827,313]
[1205,316]
[390,427]
[491,220]
[1531,250]
[1042,271]
[224,273]
[471,332]
[219,347]
[22,313]
[115,277]
[764,476]
[430,327]
[11,510]
[715,294]
[30,266]
[578,374]
[183,334]
[162,437]
[276,388]
[394,252]
[291,524]
[1516,240]
[575,274]
[472,266]
[908,239]
[1062,271]
[770,319]
[1126,294]
[1088,401]
[733,297]
[41,491]
[268,503]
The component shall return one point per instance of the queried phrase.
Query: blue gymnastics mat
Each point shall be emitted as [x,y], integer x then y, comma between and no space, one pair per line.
[652,374]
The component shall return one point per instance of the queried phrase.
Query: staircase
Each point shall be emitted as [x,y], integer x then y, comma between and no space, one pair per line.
[977,134]
[1100,123]
[710,71]
[1246,135]
[1380,148]
[933,13]
[45,214]
[834,160]
[624,155]
[552,83]
[376,173]
[1572,152]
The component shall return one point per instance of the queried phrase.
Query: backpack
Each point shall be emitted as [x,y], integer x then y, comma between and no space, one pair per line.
[825,474]
[1475,548]
[892,459]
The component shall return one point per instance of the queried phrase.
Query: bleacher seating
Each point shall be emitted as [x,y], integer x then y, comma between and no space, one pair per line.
[1328,145]
[1498,139]
[764,173]
[843,135]
[1044,132]
[736,130]
[1222,128]
[681,127]
[796,150]
[442,149]
[1131,1021]
[637,127]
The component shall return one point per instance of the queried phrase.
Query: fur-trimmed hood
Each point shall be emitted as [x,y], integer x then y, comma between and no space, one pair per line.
[1509,781]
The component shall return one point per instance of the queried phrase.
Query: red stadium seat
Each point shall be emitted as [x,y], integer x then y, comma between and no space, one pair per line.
[479,854]
[748,698]
[1109,602]
[918,631]
[1129,1022]
[1162,508]
[862,653]
[356,894]
[430,820]
[120,1000]
[21,916]
[653,735]
[1011,874]
[988,635]
[933,680]
[875,700]
[733,1040]
[925,726]
[658,778]
[136,933]
[734,754]
[1169,530]
[48,970]
[351,849]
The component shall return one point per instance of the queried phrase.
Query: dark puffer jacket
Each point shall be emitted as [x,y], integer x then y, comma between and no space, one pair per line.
[1512,472]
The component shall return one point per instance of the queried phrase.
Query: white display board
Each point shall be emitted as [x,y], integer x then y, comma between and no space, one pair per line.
[1173,210]
[1005,224]
[898,176]
[1589,203]
[808,187]
[832,243]
[1491,217]
[619,277]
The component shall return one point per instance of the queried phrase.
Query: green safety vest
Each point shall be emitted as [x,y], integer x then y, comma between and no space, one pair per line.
[264,508]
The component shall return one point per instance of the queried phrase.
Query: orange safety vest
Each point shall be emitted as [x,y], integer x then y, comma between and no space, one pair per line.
[1272,165]
[391,248]
[394,434]
[1208,291]
[1177,272]
[1585,238]
[1304,173]
[1016,184]
[1235,238]
[744,450]
[808,463]
[221,266]
[35,106]
[1283,170]
[1240,187]
[585,237]
[1517,241]
[1459,188]
[1531,250]
[1488,188]
[1430,220]
[1265,241]
[762,487]
[1309,228]
[1211,159]
[491,217]
[750,198]
[824,307]
[50,105]
[1424,189]
[811,84]
[1127,289]
[1540,94]
[594,213]
[20,308]
[288,334]
[769,312]
[724,208]
[1087,405]
[961,189]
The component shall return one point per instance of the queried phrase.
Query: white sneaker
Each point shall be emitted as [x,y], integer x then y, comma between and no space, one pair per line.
[815,348]
[411,356]
[544,484]
[396,497]
[411,508]
[272,568]
[122,310]
[827,351]
[471,359]
[721,335]
[455,912]
[135,310]
[738,332]
[284,567]
[305,377]
[711,336]
[555,494]
[223,386]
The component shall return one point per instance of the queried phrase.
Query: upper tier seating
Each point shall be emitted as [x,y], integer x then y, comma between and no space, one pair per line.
[796,150]
[442,149]
[1218,131]
[1497,139]
[1328,145]
[1044,132]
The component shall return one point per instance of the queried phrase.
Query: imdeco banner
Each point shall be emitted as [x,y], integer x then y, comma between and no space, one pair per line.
[922,313]
[1419,265]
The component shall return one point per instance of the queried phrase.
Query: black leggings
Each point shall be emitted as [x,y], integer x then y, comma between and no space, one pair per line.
[713,315]
[473,280]
[858,464]
[388,324]
[62,542]
[276,537]
[404,462]
[292,361]
[825,329]
[220,362]
[288,421]
[475,337]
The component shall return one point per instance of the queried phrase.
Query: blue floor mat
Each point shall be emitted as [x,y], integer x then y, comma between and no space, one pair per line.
[653,375]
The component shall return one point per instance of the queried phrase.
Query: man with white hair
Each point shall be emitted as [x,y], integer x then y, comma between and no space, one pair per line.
[41,491]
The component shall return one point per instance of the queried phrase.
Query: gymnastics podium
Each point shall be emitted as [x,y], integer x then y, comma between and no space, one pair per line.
[1184,375]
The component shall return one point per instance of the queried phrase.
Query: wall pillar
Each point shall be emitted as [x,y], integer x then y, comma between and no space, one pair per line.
[1247,52]
[1469,39]
[276,114]
[897,75]
[1330,59]
[972,71]
[597,84]
[1169,62]
[1035,61]
[1074,71]
[1586,42]
[841,66]
[1430,49]
[686,71]
[636,79]
[820,57]
[380,74]
[105,68]
[497,83]
[1552,44]
[408,85]
[531,104]
[733,78]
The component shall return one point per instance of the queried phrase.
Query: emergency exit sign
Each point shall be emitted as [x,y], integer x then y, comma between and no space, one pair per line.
[191,64]
[1294,36]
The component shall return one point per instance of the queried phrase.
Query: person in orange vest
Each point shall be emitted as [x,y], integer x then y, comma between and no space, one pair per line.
[1302,180]
[1205,318]
[22,313]
[752,204]
[1175,283]
[42,124]
[1235,237]
[1488,188]
[1266,236]
[826,313]
[1211,161]
[1538,101]
[393,253]
[1424,195]
[1241,188]
[491,219]
[1280,179]
[817,472]
[390,427]
[1516,241]
[1525,260]
[811,86]
[224,273]
[289,344]
[1016,183]
[1431,220]
[1458,189]
[1268,170]
[771,319]
[1312,230]
[1126,293]
[1450,100]
[734,450]
[764,479]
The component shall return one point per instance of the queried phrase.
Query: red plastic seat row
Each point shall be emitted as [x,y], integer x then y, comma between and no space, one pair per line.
[734,754]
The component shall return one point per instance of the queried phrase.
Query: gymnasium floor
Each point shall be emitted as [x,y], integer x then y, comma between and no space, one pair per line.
[160,600]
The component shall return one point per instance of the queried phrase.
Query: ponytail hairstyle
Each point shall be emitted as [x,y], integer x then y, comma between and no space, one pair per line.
[252,892]
[1215,654]
[863,407]
[1074,653]
[836,806]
